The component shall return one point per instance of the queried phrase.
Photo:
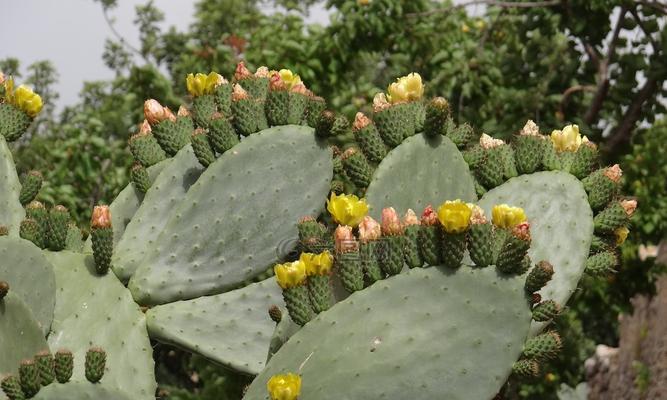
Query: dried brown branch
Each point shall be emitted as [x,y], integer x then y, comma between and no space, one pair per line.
[571,90]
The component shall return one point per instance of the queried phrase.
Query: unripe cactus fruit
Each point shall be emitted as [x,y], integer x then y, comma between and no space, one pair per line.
[12,387]
[481,235]
[221,134]
[357,167]
[394,121]
[96,359]
[611,218]
[529,148]
[29,378]
[600,186]
[4,231]
[602,263]
[312,235]
[526,368]
[585,160]
[145,147]
[64,361]
[412,251]
[59,220]
[514,249]
[46,367]
[291,277]
[546,311]
[324,124]
[275,314]
[202,148]
[437,113]
[392,246]
[542,347]
[247,111]
[4,289]
[203,108]
[30,187]
[539,276]
[368,137]
[315,106]
[32,231]
[460,135]
[140,178]
[431,237]
[173,135]
[101,233]
[347,260]
[223,97]
[13,122]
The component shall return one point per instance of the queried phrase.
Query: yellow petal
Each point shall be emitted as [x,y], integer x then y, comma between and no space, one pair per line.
[284,387]
[504,216]
[454,216]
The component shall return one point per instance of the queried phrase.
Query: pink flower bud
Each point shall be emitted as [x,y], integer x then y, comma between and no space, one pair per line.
[154,112]
[410,218]
[530,129]
[614,173]
[380,102]
[360,121]
[487,142]
[276,83]
[629,206]
[262,72]
[477,216]
[301,89]
[144,128]
[391,223]
[169,115]
[344,239]
[369,229]
[429,216]
[101,217]
[183,112]
[238,93]
[522,231]
[242,71]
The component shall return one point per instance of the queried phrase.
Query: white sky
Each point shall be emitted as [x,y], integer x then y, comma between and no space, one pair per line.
[71,33]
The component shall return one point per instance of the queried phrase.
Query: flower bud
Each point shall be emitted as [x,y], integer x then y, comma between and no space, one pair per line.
[429,216]
[369,229]
[530,129]
[241,72]
[487,142]
[629,206]
[410,218]
[614,173]
[391,223]
[360,121]
[380,102]
[101,217]
[344,239]
[238,93]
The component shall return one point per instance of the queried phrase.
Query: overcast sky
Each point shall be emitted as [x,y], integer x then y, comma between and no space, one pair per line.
[71,33]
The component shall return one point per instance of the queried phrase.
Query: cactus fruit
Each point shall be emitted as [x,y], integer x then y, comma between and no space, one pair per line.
[221,134]
[412,230]
[30,187]
[140,178]
[12,387]
[46,367]
[526,368]
[431,237]
[542,347]
[291,277]
[58,224]
[357,167]
[325,122]
[611,218]
[546,311]
[368,138]
[348,263]
[145,147]
[29,378]
[275,313]
[539,276]
[437,114]
[312,235]
[96,359]
[101,232]
[202,148]
[246,110]
[602,263]
[64,365]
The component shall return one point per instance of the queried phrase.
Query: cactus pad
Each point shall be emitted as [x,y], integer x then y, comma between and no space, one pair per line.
[80,391]
[241,315]
[21,337]
[366,347]
[11,211]
[147,222]
[419,172]
[561,225]
[94,310]
[30,277]
[230,226]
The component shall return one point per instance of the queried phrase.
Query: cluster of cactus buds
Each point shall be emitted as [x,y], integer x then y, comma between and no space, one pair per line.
[52,229]
[46,368]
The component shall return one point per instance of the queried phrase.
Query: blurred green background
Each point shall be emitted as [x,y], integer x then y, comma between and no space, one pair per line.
[601,64]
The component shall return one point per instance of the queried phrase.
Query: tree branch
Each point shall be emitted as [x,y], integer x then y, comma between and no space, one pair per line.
[623,132]
[502,4]
[603,71]
[656,48]
[120,37]
[571,90]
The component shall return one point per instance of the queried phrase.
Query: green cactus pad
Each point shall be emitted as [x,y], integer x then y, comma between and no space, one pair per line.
[419,172]
[165,193]
[284,330]
[93,310]
[230,227]
[21,337]
[561,225]
[126,204]
[233,328]
[11,211]
[30,277]
[81,391]
[366,347]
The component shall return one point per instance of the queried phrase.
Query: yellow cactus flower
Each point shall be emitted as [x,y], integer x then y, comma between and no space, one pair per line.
[289,78]
[414,86]
[284,387]
[397,92]
[504,216]
[347,209]
[27,100]
[621,234]
[201,84]
[454,216]
[568,139]
[317,264]
[290,274]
